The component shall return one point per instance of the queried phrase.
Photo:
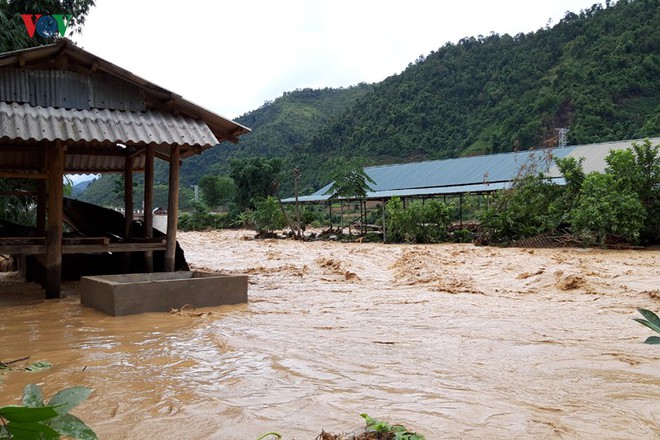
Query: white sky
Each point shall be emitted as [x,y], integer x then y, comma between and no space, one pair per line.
[231,56]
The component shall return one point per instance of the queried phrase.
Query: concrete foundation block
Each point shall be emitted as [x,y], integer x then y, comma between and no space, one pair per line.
[159,292]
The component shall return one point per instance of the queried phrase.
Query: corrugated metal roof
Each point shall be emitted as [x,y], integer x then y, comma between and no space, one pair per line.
[594,154]
[23,122]
[475,174]
[460,171]
[66,89]
[111,86]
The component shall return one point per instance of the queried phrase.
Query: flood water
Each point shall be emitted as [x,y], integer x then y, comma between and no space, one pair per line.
[453,341]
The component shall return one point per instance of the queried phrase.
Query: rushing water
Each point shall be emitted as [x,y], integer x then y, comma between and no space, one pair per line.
[323,340]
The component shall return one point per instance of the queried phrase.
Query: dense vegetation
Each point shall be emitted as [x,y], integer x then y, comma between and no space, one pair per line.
[621,204]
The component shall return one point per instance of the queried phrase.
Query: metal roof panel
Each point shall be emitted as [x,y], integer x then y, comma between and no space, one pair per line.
[477,173]
[23,122]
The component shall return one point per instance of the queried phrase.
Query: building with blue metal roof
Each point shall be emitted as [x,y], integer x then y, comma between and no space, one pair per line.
[476,175]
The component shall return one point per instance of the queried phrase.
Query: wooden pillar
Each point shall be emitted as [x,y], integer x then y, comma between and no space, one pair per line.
[42,198]
[330,210]
[55,216]
[128,196]
[128,207]
[172,210]
[149,205]
[42,194]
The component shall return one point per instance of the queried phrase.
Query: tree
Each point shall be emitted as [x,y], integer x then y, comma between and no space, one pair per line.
[217,190]
[604,208]
[255,178]
[14,35]
[350,182]
[267,216]
[638,170]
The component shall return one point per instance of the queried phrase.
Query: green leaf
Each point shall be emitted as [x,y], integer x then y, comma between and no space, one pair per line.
[32,431]
[653,340]
[370,422]
[69,398]
[652,319]
[33,397]
[71,426]
[38,366]
[21,414]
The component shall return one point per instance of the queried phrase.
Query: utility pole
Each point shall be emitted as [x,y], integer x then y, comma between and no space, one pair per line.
[561,134]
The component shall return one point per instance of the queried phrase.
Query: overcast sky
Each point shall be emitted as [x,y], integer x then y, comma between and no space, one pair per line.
[232,56]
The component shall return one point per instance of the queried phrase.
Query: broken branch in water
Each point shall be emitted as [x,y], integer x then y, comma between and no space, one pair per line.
[8,363]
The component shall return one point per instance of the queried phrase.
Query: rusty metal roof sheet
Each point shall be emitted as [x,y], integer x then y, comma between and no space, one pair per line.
[23,122]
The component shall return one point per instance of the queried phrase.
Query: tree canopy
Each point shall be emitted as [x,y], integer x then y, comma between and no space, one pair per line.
[14,35]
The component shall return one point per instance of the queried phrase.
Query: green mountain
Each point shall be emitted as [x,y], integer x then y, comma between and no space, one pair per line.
[280,128]
[595,72]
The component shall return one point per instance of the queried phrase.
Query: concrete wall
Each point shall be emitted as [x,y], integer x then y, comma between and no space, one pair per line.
[119,295]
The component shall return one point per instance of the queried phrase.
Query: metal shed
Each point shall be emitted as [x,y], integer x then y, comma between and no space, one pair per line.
[477,174]
[64,110]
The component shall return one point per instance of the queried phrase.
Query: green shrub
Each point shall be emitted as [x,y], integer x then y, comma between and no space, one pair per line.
[523,211]
[396,432]
[267,215]
[605,208]
[417,223]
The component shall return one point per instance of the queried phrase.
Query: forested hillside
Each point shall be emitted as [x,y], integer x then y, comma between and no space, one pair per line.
[595,72]
[279,128]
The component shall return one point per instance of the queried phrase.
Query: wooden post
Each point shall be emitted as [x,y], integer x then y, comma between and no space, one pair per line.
[128,207]
[330,210]
[55,216]
[42,194]
[149,205]
[42,198]
[128,196]
[172,210]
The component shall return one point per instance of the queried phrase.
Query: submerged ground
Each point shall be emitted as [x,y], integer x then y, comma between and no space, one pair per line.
[453,341]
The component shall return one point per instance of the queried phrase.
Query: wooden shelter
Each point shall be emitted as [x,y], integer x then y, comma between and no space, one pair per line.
[64,111]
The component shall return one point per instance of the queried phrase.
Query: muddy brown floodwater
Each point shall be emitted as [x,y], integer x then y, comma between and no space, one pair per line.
[453,341]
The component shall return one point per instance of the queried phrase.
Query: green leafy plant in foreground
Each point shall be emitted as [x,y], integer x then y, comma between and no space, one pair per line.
[400,432]
[653,322]
[36,420]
